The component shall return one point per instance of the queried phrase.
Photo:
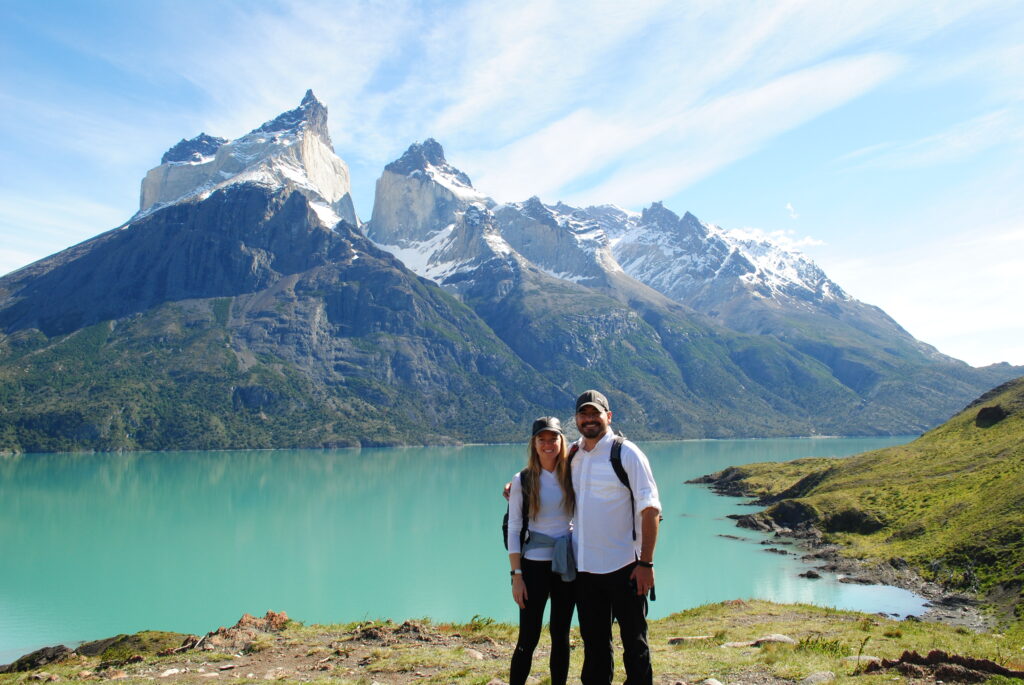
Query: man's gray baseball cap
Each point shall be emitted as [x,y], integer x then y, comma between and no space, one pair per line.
[594,399]
[547,423]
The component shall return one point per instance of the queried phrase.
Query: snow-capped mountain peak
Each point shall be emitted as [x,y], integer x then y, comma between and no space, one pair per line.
[697,263]
[419,194]
[310,114]
[291,151]
[781,270]
[426,161]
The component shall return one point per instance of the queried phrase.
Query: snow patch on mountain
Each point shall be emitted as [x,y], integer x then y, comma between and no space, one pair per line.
[452,184]
[328,217]
[417,256]
[450,255]
[781,269]
[562,241]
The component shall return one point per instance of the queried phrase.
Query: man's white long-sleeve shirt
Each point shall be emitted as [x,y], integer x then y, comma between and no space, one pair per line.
[603,524]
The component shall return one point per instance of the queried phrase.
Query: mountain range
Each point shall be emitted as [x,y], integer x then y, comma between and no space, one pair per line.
[246,305]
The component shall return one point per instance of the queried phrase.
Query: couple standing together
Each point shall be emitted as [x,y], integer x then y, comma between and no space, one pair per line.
[591,527]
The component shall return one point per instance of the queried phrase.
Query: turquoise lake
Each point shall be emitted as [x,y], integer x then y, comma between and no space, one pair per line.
[96,545]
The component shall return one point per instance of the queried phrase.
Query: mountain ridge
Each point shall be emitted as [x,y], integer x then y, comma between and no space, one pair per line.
[279,319]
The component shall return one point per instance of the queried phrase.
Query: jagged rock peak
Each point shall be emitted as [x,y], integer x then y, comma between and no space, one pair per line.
[421,156]
[658,213]
[666,220]
[290,152]
[310,112]
[538,211]
[195,150]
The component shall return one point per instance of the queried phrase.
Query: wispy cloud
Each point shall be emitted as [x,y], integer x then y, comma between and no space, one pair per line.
[701,140]
[586,88]
[792,212]
[965,139]
[787,240]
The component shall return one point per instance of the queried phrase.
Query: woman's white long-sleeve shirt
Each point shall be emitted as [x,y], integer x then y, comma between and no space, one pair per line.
[550,520]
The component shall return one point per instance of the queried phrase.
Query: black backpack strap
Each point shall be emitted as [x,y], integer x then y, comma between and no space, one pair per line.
[525,486]
[616,459]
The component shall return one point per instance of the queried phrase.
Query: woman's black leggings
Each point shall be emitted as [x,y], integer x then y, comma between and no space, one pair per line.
[541,583]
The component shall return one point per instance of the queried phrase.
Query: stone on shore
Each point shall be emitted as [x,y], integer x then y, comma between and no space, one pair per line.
[688,638]
[774,637]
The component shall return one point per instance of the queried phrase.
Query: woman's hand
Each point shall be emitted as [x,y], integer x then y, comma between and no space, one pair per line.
[519,591]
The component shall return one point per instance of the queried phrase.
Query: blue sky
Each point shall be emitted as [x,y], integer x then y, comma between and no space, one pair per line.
[884,139]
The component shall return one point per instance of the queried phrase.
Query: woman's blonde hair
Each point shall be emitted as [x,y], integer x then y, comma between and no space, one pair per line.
[562,472]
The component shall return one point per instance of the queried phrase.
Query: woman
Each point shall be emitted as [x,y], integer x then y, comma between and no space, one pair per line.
[542,567]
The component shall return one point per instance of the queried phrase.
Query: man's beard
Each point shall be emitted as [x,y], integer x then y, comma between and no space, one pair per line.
[591,430]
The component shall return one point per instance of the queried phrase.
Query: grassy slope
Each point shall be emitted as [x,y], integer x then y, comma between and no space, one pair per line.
[950,502]
[444,653]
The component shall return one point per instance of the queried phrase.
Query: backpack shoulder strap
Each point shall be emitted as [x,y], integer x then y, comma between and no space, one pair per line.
[616,459]
[525,485]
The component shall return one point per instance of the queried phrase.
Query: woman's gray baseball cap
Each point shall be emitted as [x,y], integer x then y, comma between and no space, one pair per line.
[547,423]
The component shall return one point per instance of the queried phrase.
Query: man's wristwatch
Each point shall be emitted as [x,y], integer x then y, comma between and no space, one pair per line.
[645,564]
[516,572]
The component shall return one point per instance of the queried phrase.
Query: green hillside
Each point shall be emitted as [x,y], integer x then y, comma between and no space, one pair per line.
[181,377]
[950,503]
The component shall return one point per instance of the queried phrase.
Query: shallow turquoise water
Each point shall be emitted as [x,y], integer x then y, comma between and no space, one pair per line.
[95,545]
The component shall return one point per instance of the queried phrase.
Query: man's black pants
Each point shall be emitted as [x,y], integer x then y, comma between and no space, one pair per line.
[599,598]
[542,583]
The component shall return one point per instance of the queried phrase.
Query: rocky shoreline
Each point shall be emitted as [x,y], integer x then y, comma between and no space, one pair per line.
[944,605]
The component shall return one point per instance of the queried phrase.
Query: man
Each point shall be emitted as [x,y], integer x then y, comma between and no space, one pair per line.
[613,540]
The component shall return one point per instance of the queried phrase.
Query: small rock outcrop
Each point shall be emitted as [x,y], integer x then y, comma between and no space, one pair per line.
[990,416]
[944,667]
[243,634]
[40,657]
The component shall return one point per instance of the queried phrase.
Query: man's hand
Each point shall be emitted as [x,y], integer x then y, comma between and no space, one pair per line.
[644,579]
[519,591]
[641,575]
[507,490]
